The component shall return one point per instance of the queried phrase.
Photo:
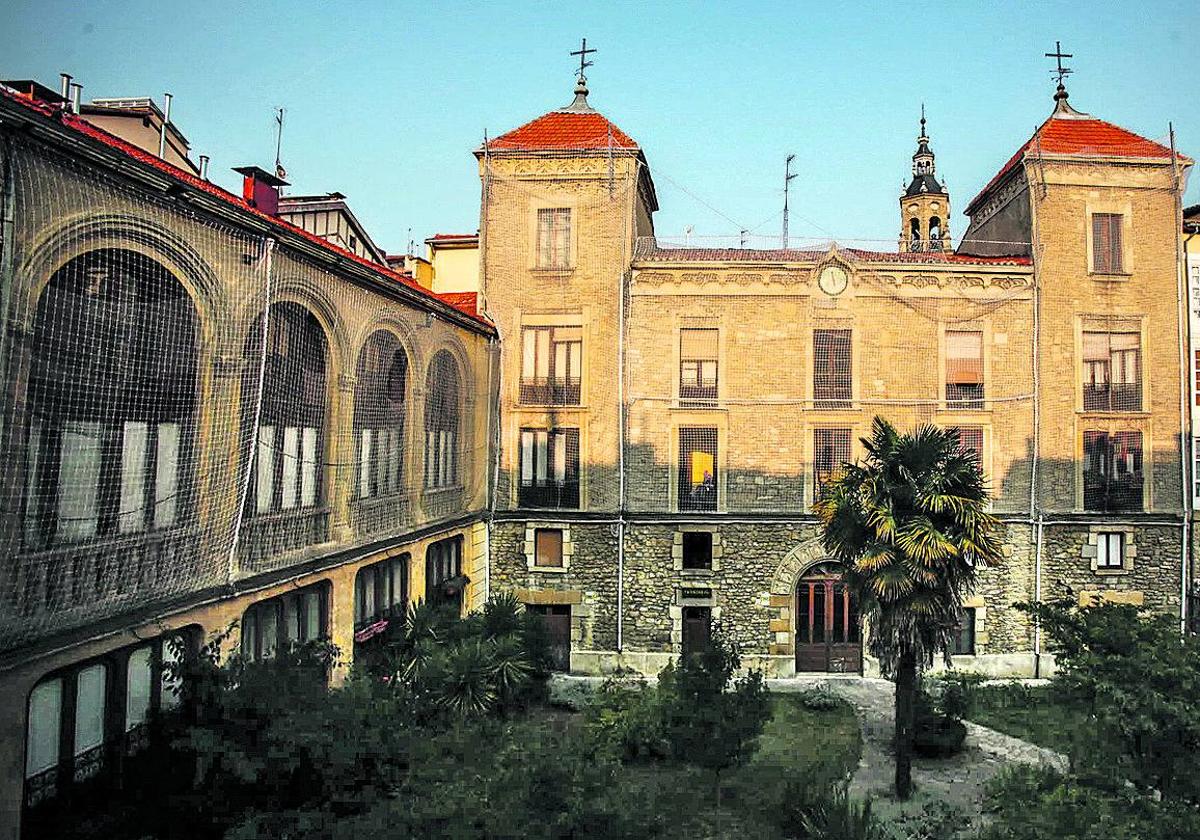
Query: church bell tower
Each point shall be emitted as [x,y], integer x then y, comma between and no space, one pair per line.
[924,204]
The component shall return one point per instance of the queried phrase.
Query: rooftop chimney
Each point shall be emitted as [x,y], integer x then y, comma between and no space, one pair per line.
[260,188]
[204,167]
[66,85]
[76,96]
[162,131]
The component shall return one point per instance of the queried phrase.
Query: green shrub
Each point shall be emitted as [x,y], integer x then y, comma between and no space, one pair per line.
[937,734]
[625,720]
[819,699]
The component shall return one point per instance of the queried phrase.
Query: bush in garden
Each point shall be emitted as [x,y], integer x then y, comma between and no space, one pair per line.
[625,720]
[1138,678]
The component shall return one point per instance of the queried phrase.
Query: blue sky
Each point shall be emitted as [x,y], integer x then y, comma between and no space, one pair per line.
[385,101]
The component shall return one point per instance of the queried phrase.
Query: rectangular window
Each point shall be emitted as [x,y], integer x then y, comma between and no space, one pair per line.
[132,517]
[264,466]
[551,365]
[554,238]
[963,643]
[964,369]
[79,481]
[139,680]
[1107,243]
[166,475]
[548,547]
[444,580]
[698,352]
[44,727]
[1112,371]
[91,693]
[549,468]
[697,550]
[1112,471]
[831,449]
[831,369]
[697,468]
[970,439]
[1110,550]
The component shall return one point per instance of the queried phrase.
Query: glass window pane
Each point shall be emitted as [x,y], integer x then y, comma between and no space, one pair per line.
[291,467]
[312,615]
[139,677]
[308,468]
[527,457]
[43,730]
[132,513]
[290,632]
[364,461]
[172,650]
[529,353]
[269,618]
[78,480]
[540,457]
[89,708]
[265,469]
[560,457]
[166,475]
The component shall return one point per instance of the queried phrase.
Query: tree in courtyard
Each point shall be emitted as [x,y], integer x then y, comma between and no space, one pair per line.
[910,524]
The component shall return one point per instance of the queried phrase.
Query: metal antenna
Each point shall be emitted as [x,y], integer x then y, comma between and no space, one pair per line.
[280,172]
[787,180]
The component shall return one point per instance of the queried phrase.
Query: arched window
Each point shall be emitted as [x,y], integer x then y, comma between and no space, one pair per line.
[935,233]
[287,460]
[441,422]
[914,226]
[379,416]
[112,397]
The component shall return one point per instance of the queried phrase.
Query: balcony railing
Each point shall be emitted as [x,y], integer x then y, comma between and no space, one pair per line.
[265,538]
[550,391]
[553,495]
[1113,397]
[381,514]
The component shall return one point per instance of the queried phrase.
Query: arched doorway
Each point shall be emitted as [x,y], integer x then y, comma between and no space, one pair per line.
[828,627]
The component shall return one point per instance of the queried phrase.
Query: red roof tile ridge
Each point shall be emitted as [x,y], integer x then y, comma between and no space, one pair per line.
[509,138]
[82,126]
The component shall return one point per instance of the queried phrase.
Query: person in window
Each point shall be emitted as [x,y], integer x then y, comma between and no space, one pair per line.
[704,493]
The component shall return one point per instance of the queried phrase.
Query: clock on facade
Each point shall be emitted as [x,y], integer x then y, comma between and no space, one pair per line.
[833,280]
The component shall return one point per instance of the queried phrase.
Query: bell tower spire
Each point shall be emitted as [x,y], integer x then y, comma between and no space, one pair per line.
[925,203]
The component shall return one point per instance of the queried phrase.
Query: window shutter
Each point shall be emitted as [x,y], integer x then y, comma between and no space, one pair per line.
[698,344]
[964,358]
[1114,242]
[1095,346]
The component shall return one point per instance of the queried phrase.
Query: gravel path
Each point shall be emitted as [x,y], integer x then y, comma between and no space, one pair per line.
[957,781]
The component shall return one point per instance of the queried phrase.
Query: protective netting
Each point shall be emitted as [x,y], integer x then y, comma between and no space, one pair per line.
[190,404]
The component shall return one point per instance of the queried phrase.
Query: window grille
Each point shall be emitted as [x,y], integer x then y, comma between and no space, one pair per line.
[549,468]
[379,415]
[831,449]
[698,355]
[551,365]
[442,410]
[554,238]
[1112,372]
[1107,238]
[697,468]
[964,369]
[831,369]
[1112,471]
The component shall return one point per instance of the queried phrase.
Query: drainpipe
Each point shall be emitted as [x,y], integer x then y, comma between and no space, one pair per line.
[1183,301]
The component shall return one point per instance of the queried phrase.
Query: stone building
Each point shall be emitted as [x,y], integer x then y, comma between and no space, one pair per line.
[668,414]
[212,418]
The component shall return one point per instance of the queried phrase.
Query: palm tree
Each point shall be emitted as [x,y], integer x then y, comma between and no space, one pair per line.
[910,525]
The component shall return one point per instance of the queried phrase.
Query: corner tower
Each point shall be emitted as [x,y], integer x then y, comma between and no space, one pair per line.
[925,203]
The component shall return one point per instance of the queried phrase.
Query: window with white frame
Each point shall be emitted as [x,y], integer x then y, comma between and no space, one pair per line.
[1110,549]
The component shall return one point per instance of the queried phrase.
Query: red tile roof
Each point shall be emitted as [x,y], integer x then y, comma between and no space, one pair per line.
[438,237]
[650,252]
[564,130]
[1081,135]
[464,301]
[82,126]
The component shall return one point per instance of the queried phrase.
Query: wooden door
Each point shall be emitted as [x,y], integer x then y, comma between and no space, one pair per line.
[697,629]
[828,635]
[558,627]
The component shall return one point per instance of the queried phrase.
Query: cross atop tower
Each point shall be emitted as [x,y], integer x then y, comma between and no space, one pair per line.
[1062,72]
[583,52]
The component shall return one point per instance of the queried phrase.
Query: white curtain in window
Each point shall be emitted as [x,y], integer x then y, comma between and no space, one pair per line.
[290,467]
[132,516]
[308,468]
[43,726]
[364,463]
[560,457]
[139,677]
[78,480]
[33,492]
[265,466]
[166,475]
[527,458]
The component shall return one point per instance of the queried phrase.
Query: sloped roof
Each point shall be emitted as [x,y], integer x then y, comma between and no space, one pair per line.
[467,302]
[564,130]
[1070,132]
[83,127]
[649,251]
